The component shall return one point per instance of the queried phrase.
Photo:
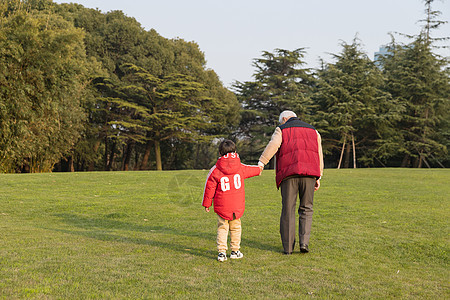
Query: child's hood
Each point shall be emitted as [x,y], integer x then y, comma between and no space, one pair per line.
[229,163]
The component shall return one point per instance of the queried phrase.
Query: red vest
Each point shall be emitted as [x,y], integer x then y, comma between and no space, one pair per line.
[299,151]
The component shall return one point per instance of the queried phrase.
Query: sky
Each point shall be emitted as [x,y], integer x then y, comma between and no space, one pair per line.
[232,33]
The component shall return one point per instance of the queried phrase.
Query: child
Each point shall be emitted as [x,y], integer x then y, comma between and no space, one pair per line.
[225,183]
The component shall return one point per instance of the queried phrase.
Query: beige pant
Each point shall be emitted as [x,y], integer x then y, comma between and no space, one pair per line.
[234,227]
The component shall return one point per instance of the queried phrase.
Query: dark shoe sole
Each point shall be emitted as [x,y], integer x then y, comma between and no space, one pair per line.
[304,249]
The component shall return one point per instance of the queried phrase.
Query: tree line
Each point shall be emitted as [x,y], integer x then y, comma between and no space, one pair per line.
[83,90]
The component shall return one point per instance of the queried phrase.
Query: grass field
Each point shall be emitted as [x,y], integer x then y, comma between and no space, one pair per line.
[377,233]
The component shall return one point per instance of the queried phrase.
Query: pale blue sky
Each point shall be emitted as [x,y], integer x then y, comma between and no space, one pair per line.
[232,33]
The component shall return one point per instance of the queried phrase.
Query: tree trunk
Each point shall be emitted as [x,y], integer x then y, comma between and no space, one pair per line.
[111,156]
[342,153]
[127,156]
[354,151]
[106,154]
[136,159]
[71,168]
[158,156]
[426,162]
[91,166]
[405,161]
[440,164]
[347,157]
[26,166]
[144,162]
[415,163]
[198,160]
[124,154]
[420,161]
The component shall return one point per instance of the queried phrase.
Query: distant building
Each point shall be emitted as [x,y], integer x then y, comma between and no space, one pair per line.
[384,50]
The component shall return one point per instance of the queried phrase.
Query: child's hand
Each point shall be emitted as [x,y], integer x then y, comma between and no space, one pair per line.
[207,209]
[261,168]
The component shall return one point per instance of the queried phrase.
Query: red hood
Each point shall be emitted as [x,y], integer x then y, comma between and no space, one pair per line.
[229,163]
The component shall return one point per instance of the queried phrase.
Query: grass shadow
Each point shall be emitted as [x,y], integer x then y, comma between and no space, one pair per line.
[96,229]
[108,237]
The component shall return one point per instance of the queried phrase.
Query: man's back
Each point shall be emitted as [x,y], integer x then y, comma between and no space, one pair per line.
[299,151]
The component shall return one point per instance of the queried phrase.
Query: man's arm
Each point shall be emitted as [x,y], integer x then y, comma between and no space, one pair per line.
[319,141]
[271,148]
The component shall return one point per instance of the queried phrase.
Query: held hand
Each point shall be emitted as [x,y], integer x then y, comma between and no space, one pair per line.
[317,185]
[261,167]
[207,209]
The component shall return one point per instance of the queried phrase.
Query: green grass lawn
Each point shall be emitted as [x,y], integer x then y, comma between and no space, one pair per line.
[377,233]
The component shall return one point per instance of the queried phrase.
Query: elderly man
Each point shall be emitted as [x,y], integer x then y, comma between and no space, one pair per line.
[299,167]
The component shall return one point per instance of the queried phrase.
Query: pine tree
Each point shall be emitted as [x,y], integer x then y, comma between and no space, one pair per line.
[419,80]
[353,108]
[281,83]
[169,107]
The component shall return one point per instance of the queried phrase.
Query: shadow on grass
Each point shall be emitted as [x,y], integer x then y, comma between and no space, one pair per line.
[108,237]
[96,227]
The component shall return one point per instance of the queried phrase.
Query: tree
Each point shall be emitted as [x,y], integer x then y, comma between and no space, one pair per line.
[222,109]
[353,108]
[281,83]
[117,40]
[170,106]
[419,80]
[114,39]
[44,77]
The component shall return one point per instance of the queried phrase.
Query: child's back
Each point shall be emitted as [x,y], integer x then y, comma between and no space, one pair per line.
[225,184]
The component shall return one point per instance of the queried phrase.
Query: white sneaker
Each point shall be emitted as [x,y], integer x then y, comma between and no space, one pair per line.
[236,254]
[222,256]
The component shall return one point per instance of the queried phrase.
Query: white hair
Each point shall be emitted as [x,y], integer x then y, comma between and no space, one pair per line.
[286,114]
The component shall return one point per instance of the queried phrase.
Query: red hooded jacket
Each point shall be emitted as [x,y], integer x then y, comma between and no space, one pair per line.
[225,183]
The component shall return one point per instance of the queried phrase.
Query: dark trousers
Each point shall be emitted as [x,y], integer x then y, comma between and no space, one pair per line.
[290,188]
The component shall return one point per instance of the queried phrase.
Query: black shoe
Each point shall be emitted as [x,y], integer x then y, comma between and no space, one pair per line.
[287,253]
[304,248]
